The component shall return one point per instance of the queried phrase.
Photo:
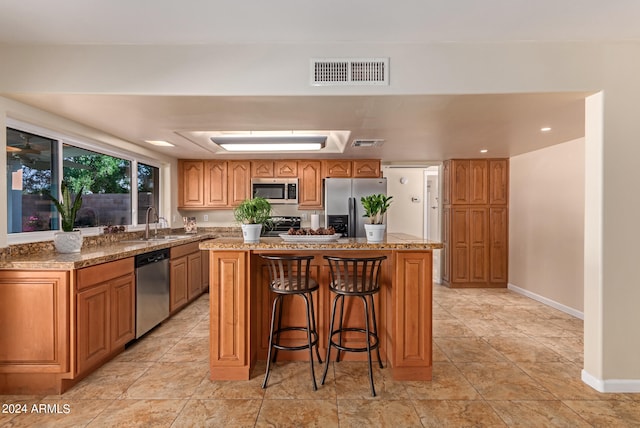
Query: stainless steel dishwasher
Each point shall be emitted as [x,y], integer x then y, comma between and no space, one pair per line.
[152,290]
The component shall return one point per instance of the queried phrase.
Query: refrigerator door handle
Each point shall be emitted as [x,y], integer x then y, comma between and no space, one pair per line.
[352,217]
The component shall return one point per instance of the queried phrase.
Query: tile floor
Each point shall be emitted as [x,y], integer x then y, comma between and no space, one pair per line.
[500,359]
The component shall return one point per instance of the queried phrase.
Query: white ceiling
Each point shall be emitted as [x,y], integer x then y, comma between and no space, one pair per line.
[414,127]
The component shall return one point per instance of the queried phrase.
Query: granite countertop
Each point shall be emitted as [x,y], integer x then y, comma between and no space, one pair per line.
[393,241]
[94,255]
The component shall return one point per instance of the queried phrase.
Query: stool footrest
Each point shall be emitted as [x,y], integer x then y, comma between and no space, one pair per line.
[373,344]
[314,339]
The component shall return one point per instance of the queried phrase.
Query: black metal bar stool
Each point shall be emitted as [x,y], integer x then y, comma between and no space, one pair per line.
[289,275]
[354,277]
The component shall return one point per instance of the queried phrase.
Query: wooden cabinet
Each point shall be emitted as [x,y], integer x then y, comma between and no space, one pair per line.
[191,182]
[105,320]
[213,184]
[360,168]
[286,169]
[475,215]
[310,192]
[186,275]
[261,169]
[35,343]
[368,168]
[336,168]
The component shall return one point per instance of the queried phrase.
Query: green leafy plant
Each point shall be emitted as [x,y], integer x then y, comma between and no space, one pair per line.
[375,207]
[253,211]
[67,209]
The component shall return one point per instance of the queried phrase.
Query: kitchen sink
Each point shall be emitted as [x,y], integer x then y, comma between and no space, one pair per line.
[160,238]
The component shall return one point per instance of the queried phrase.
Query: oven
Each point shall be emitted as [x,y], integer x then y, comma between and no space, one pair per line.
[276,190]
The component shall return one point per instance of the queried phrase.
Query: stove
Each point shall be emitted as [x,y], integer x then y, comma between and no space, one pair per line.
[280,224]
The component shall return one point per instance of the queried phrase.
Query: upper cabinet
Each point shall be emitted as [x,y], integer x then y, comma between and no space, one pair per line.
[498,181]
[286,169]
[310,193]
[361,168]
[466,182]
[213,183]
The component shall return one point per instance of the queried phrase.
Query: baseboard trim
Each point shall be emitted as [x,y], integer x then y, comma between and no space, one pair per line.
[546,301]
[611,385]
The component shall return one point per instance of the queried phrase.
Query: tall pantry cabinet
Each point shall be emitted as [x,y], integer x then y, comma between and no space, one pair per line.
[475,231]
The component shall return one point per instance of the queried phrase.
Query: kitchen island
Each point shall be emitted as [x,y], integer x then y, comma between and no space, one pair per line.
[240,302]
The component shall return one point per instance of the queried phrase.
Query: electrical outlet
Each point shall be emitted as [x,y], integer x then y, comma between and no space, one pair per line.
[205,217]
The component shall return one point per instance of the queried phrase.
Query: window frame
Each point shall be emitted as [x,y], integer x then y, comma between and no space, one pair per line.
[87,143]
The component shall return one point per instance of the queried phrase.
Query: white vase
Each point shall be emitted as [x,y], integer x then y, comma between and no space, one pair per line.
[68,242]
[375,232]
[251,232]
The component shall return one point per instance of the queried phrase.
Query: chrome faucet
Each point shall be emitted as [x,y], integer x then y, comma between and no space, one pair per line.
[146,228]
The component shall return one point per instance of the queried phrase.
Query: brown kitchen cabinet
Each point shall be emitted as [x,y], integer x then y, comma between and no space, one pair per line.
[186,275]
[474,227]
[310,192]
[261,168]
[105,311]
[368,168]
[213,184]
[336,168]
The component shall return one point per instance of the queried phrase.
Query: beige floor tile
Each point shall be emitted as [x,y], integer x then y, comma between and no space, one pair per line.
[468,349]
[437,354]
[201,329]
[535,414]
[168,380]
[523,349]
[450,328]
[447,383]
[292,380]
[381,413]
[543,328]
[608,413]
[139,413]
[352,381]
[298,413]
[503,381]
[108,382]
[218,413]
[571,348]
[456,413]
[174,328]
[188,349]
[147,349]
[17,405]
[220,389]
[491,327]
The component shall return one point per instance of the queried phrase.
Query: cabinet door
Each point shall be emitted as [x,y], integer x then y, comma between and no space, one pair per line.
[460,182]
[123,318]
[479,245]
[446,244]
[216,187]
[93,326]
[459,244]
[498,181]
[262,168]
[478,182]
[286,169]
[191,179]
[204,254]
[178,289]
[194,278]
[369,168]
[239,182]
[498,230]
[310,194]
[335,168]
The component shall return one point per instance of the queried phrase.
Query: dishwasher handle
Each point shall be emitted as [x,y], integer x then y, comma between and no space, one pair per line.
[151,257]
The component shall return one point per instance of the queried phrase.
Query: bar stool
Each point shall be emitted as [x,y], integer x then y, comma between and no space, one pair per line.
[354,277]
[289,275]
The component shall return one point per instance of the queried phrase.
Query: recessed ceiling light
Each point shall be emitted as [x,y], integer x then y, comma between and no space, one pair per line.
[483,150]
[545,129]
[159,143]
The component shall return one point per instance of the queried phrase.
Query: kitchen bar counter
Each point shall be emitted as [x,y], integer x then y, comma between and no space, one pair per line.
[240,302]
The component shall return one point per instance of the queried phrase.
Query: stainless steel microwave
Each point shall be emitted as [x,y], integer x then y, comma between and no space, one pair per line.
[276,190]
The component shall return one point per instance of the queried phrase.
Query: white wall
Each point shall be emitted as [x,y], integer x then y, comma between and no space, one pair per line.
[546,223]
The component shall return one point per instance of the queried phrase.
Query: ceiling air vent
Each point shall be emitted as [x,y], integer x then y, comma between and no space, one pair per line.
[349,71]
[367,143]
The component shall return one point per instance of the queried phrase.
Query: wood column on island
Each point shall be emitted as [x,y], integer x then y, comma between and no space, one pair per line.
[241,303]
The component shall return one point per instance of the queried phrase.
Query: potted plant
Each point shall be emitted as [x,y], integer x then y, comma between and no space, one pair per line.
[69,240]
[375,207]
[252,214]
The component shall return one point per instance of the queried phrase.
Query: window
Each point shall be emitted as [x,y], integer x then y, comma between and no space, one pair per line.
[36,163]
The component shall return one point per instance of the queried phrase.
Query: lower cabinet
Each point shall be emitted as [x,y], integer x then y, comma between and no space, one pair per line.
[186,275]
[105,317]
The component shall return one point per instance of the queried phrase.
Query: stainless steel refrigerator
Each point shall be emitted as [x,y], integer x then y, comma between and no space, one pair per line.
[343,209]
